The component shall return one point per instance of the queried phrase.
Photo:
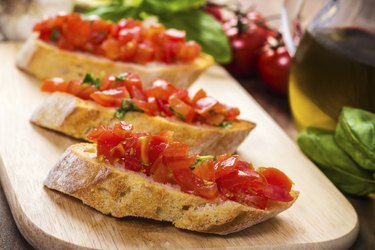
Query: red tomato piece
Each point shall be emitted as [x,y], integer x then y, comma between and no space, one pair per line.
[161,89]
[128,51]
[204,105]
[175,35]
[226,166]
[161,173]
[189,51]
[206,170]
[191,183]
[76,30]
[276,177]
[199,95]
[100,30]
[144,54]
[111,48]
[110,97]
[54,84]
[180,109]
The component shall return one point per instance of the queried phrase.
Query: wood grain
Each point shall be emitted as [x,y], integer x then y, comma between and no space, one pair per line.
[321,217]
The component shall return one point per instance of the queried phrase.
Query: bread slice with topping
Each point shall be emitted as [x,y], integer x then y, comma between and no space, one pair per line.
[120,193]
[76,117]
[44,60]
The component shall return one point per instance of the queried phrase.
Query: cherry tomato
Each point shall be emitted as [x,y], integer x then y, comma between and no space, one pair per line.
[246,38]
[274,67]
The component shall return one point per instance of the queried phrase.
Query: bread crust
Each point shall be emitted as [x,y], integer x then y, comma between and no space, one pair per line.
[36,56]
[76,117]
[120,193]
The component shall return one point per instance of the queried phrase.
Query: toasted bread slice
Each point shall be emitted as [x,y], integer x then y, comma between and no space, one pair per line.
[44,61]
[122,193]
[76,117]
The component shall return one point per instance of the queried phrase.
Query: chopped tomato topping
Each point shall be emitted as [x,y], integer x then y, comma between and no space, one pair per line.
[127,40]
[125,92]
[167,161]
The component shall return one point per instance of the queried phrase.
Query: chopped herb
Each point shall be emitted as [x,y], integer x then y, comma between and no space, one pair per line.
[91,80]
[201,159]
[179,115]
[55,34]
[226,125]
[126,106]
[212,112]
[121,77]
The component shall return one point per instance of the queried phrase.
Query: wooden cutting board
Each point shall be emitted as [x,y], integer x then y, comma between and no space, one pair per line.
[320,218]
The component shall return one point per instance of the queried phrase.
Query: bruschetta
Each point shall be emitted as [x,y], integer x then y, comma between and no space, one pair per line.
[68,46]
[130,173]
[206,125]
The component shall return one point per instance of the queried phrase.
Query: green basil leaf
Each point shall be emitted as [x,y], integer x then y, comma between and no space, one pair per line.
[162,7]
[127,106]
[226,124]
[355,134]
[55,35]
[204,29]
[320,146]
[114,12]
[91,80]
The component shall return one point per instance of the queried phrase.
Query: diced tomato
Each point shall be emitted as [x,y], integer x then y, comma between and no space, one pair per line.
[163,107]
[232,114]
[160,89]
[206,170]
[276,177]
[191,183]
[54,84]
[100,30]
[128,51]
[76,30]
[110,97]
[111,48]
[137,93]
[180,109]
[276,193]
[226,166]
[236,179]
[161,173]
[86,91]
[158,143]
[199,95]
[144,54]
[189,51]
[132,80]
[204,105]
[129,34]
[155,33]
[175,35]
[74,87]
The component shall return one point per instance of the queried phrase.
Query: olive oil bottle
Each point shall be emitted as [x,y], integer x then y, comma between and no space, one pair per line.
[332,68]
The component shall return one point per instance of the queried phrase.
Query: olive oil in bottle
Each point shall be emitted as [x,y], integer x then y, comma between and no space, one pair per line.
[332,68]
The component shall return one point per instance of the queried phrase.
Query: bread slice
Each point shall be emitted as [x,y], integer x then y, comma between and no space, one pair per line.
[120,193]
[44,61]
[76,117]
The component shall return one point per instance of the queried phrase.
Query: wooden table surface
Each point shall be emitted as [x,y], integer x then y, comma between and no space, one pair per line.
[277,107]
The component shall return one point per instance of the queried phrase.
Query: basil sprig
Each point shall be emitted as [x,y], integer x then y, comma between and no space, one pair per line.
[321,147]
